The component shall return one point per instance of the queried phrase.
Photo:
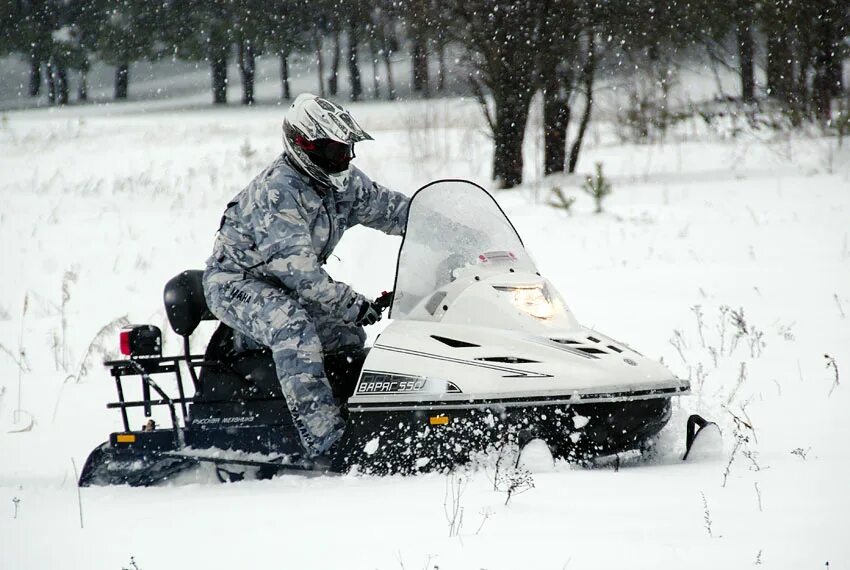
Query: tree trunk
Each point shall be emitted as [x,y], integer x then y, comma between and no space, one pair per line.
[582,129]
[284,74]
[836,81]
[353,67]
[509,133]
[441,69]
[122,80]
[556,114]
[333,79]
[218,69]
[376,70]
[35,76]
[320,60]
[247,68]
[833,61]
[420,65]
[823,82]
[803,59]
[61,84]
[51,82]
[780,70]
[388,65]
[556,120]
[588,74]
[746,57]
[83,87]
[821,95]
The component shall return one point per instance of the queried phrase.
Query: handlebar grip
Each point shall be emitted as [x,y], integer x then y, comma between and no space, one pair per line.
[385,300]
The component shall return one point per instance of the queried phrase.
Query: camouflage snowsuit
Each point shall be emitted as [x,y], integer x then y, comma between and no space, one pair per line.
[265,280]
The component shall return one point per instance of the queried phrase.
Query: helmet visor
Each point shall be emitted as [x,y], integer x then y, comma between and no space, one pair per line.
[330,155]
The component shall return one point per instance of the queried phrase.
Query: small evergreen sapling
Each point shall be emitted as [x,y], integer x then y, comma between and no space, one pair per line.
[560,200]
[598,187]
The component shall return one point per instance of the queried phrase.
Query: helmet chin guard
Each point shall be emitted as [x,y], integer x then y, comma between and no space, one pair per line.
[311,123]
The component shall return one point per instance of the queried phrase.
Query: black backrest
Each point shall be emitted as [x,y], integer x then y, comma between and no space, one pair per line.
[185,304]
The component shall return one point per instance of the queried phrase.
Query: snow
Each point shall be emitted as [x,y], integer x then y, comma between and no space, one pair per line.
[372,445]
[580,421]
[536,457]
[102,205]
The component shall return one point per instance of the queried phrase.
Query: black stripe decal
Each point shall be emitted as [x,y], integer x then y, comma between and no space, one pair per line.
[565,348]
[514,373]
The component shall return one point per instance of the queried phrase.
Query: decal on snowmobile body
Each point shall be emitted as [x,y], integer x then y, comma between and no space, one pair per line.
[225,420]
[373,382]
[513,372]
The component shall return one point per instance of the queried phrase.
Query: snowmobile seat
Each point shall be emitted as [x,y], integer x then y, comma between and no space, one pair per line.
[241,375]
[185,304]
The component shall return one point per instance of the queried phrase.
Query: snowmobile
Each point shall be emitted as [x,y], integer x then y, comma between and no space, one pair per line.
[481,352]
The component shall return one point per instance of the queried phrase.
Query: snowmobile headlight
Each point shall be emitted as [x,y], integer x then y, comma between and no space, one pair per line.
[533,299]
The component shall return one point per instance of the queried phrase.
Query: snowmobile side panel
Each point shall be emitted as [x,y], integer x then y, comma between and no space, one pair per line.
[250,439]
[423,440]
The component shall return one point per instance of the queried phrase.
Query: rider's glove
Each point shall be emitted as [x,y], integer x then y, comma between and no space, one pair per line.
[369,314]
[384,301]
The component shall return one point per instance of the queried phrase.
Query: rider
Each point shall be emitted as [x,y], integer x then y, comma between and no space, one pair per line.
[265,277]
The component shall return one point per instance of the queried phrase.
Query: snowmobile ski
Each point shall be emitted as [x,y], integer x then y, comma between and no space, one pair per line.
[702,438]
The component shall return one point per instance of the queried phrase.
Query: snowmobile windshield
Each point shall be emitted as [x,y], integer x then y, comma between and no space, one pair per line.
[451,224]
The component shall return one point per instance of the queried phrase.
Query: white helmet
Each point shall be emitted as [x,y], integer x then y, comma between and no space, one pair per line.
[319,138]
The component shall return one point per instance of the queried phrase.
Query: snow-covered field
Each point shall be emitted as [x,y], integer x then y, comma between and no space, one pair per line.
[100,206]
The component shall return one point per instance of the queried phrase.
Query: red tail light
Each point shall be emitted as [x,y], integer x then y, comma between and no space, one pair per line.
[140,341]
[125,343]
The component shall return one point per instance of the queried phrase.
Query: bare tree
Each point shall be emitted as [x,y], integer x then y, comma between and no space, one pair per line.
[567,66]
[501,41]
[776,23]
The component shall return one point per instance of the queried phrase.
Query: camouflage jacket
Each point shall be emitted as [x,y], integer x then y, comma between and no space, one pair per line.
[282,229]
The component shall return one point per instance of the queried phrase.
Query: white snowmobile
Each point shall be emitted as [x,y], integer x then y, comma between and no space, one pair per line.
[481,352]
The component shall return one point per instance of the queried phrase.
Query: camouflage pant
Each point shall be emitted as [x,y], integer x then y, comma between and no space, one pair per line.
[297,336]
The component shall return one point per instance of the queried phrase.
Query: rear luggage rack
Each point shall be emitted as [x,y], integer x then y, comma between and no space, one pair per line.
[144,367]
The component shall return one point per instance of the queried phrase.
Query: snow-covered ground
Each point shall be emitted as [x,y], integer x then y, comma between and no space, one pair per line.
[100,206]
